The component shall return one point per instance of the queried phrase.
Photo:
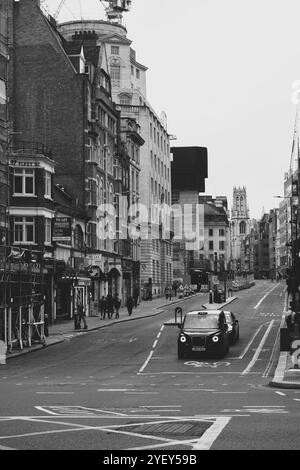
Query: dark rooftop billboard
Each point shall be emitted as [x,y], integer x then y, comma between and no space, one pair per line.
[189,168]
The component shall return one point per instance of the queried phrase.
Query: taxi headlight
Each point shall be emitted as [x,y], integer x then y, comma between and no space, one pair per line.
[183,339]
[215,339]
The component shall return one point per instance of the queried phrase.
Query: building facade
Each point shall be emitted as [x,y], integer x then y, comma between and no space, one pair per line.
[128,79]
[189,171]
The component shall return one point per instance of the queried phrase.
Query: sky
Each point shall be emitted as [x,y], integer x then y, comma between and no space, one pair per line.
[225,72]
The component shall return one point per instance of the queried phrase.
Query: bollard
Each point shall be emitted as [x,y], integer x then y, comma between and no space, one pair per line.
[210,297]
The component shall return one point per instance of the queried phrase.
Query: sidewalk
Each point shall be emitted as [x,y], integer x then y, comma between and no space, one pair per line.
[209,306]
[60,332]
[285,376]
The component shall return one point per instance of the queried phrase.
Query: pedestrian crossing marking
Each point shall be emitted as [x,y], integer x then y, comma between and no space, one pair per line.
[74,411]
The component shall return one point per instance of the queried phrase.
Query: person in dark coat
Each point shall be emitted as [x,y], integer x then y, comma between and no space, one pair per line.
[117,304]
[110,306]
[136,297]
[102,307]
[82,317]
[129,305]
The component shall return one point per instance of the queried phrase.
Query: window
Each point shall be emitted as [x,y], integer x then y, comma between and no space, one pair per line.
[24,230]
[222,232]
[210,232]
[243,227]
[48,231]
[48,180]
[115,70]
[2,100]
[78,237]
[92,235]
[132,70]
[222,246]
[125,99]
[92,193]
[115,50]
[211,245]
[23,182]
[137,73]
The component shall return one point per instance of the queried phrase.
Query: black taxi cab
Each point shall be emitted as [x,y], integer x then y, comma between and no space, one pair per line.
[203,331]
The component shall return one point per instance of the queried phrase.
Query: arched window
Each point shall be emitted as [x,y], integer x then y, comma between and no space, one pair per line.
[115,70]
[78,237]
[111,193]
[125,99]
[101,192]
[242,228]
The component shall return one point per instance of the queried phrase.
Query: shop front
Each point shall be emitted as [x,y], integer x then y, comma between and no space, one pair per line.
[72,289]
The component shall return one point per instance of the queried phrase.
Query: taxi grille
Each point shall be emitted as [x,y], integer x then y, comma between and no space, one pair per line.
[198,341]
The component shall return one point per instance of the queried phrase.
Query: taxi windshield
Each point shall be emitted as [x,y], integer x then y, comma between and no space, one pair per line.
[201,321]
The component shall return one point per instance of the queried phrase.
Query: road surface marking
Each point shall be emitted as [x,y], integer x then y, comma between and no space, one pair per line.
[296,399]
[116,390]
[75,411]
[280,393]
[151,352]
[196,390]
[55,393]
[6,448]
[258,351]
[194,373]
[266,295]
[250,342]
[160,406]
[208,438]
[230,392]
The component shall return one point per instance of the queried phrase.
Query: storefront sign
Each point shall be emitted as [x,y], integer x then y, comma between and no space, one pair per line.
[62,230]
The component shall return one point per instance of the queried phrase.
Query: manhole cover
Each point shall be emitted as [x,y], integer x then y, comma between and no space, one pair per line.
[171,428]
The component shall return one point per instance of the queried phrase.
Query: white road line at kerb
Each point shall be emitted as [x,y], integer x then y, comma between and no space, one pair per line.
[266,295]
[258,351]
[250,342]
[208,438]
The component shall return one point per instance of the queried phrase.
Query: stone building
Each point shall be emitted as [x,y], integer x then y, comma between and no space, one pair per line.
[129,91]
[239,227]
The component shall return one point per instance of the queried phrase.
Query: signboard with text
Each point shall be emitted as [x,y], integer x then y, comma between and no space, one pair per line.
[62,229]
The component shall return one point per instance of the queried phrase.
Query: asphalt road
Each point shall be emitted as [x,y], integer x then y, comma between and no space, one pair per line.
[123,388]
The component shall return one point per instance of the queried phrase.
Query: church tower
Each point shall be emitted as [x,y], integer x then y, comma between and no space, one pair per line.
[239,226]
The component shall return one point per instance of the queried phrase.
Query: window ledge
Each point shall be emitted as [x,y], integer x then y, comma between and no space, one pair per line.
[24,195]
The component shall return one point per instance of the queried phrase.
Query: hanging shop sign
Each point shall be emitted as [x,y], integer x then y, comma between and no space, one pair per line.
[62,229]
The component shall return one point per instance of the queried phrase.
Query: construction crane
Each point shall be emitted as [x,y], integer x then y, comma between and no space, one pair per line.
[55,16]
[115,9]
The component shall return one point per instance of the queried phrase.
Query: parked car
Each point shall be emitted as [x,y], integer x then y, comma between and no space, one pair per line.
[203,331]
[234,327]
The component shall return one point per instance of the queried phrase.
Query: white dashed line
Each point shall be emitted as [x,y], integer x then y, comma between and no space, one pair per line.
[280,393]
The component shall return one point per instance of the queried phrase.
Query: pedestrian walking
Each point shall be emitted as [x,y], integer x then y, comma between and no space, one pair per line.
[129,305]
[102,307]
[82,317]
[110,306]
[136,297]
[117,304]
[167,293]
